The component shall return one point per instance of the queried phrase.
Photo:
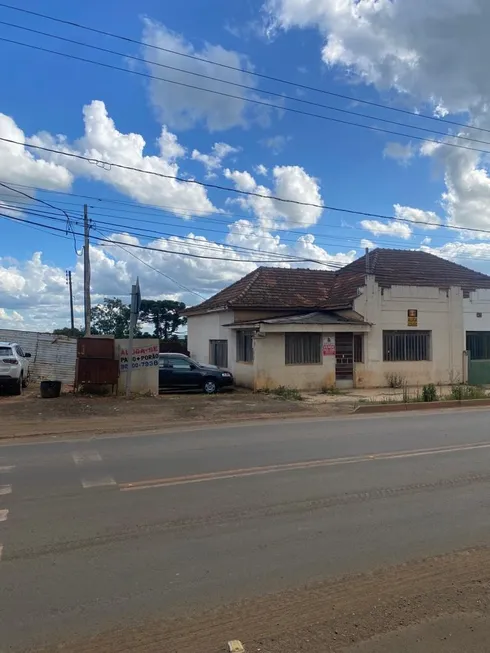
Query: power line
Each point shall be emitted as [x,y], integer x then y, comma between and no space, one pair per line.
[366,214]
[149,209]
[192,242]
[177,283]
[56,208]
[246,99]
[41,227]
[241,70]
[169,251]
[242,86]
[320,238]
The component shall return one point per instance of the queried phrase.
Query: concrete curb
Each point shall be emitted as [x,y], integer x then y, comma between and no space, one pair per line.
[421,405]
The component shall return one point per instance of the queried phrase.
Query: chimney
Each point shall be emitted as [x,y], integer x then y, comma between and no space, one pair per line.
[367,259]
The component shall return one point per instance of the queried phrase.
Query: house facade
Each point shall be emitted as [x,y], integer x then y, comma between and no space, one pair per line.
[390,317]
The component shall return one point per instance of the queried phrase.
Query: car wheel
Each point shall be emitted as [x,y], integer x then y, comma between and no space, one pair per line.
[25,381]
[210,386]
[18,387]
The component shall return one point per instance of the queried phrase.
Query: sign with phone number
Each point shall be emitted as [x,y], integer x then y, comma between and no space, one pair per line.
[142,357]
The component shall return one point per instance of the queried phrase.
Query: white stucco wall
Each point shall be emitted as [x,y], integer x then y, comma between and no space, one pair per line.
[203,328]
[477,302]
[439,311]
[271,370]
[144,371]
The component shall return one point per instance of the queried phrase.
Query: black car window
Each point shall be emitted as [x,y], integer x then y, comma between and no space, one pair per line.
[180,363]
[20,351]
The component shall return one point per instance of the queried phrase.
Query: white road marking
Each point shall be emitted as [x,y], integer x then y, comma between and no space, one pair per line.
[101,481]
[5,489]
[4,514]
[5,469]
[86,457]
[1,551]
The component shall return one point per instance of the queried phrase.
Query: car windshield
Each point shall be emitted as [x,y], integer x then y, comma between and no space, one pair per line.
[5,351]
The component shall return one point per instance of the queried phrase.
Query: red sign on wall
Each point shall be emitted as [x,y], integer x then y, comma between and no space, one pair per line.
[328,348]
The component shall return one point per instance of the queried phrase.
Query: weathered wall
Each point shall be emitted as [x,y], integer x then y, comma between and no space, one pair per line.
[53,358]
[203,328]
[271,370]
[144,374]
[439,311]
[477,303]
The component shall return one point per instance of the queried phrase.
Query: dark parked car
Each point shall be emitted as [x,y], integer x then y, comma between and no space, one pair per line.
[180,371]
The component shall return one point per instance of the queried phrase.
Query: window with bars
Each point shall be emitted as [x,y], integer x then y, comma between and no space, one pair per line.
[218,353]
[406,345]
[358,348]
[303,348]
[478,344]
[244,346]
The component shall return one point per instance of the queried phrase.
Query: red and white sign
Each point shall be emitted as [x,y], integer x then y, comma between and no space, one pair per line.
[328,346]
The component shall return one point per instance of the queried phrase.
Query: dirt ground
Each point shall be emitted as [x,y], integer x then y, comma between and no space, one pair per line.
[29,415]
[434,605]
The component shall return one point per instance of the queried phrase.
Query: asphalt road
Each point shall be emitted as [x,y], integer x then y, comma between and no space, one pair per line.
[101,532]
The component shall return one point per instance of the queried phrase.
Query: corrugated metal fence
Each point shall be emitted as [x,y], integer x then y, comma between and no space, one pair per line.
[53,357]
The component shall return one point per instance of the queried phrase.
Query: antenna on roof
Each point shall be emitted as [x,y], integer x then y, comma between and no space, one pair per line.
[367,259]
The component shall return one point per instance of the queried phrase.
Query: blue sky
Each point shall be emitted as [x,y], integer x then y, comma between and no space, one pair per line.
[46,97]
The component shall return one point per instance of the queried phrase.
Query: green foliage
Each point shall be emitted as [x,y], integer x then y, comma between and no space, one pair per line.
[165,315]
[111,318]
[462,392]
[283,392]
[66,331]
[330,390]
[429,392]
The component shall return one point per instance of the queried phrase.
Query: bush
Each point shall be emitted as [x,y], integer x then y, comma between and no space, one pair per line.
[395,380]
[462,392]
[282,392]
[429,392]
[330,390]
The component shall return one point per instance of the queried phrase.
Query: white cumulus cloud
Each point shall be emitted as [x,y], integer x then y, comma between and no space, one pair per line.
[395,229]
[402,154]
[214,160]
[103,141]
[424,219]
[182,107]
[430,54]
[290,183]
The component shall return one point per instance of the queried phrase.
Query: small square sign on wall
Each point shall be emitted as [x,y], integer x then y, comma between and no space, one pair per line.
[328,345]
[412,317]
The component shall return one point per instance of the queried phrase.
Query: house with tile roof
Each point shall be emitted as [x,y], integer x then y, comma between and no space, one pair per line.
[390,316]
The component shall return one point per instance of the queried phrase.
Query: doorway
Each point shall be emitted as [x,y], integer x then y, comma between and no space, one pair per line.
[344,360]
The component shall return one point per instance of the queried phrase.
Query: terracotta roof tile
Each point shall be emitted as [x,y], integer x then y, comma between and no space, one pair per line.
[273,288]
[301,288]
[402,267]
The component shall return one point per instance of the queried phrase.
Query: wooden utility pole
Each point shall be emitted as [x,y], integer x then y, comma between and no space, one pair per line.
[86,269]
[70,287]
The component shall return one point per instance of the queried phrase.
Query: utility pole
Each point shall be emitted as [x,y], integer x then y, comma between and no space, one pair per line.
[86,269]
[133,319]
[70,287]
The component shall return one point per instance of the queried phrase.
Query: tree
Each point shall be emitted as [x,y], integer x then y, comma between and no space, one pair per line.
[111,318]
[66,331]
[165,315]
